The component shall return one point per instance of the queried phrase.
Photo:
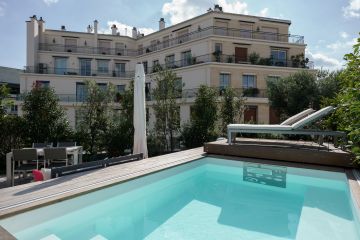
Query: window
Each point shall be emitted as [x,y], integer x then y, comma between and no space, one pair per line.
[273,78]
[120,69]
[147,91]
[224,80]
[70,45]
[246,30]
[269,33]
[119,48]
[249,81]
[186,58]
[178,87]
[218,47]
[104,47]
[120,88]
[79,117]
[183,36]
[81,92]
[170,61]
[140,49]
[60,64]
[102,86]
[166,42]
[43,84]
[145,64]
[153,45]
[221,28]
[85,67]
[278,57]
[103,66]
[156,66]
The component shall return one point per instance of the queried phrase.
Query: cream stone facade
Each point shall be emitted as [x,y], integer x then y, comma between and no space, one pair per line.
[215,49]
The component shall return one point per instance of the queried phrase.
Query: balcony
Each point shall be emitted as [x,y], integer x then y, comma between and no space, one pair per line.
[87,50]
[222,58]
[200,33]
[219,31]
[191,93]
[78,72]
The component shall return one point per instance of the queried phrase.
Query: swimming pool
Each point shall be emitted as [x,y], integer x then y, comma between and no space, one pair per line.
[206,199]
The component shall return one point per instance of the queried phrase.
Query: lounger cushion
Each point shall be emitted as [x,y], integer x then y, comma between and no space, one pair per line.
[258,127]
[297,117]
[312,117]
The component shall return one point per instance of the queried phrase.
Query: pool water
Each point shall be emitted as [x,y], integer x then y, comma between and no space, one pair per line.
[206,199]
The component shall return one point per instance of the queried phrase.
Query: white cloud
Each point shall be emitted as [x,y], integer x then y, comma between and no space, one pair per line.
[2,8]
[341,45]
[124,29]
[49,2]
[321,60]
[344,35]
[352,10]
[234,7]
[180,10]
[264,12]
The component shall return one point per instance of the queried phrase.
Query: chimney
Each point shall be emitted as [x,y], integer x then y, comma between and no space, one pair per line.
[134,33]
[89,29]
[41,23]
[96,26]
[161,24]
[217,8]
[113,29]
[63,28]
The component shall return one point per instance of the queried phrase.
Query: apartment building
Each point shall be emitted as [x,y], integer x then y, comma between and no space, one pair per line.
[217,49]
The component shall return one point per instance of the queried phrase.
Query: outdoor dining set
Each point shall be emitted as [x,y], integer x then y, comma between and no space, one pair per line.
[41,156]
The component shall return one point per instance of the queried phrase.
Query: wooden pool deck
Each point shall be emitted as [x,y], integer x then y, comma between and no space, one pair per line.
[32,195]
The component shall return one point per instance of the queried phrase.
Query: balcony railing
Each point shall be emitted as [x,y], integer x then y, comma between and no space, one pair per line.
[192,93]
[222,58]
[200,33]
[219,31]
[78,72]
[183,94]
[87,50]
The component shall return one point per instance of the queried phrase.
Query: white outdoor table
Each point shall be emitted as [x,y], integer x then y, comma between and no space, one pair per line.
[75,151]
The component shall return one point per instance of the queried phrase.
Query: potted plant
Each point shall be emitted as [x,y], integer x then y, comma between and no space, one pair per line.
[250,92]
[254,58]
[230,59]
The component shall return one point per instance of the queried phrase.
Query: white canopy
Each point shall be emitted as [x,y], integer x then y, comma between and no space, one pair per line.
[140,145]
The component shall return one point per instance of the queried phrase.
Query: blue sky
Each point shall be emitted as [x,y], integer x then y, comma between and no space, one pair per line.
[330,27]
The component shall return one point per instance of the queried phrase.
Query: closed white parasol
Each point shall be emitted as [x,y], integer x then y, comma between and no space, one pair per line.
[140,144]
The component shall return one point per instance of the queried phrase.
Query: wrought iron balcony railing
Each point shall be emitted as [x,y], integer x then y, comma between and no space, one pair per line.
[87,50]
[200,33]
[78,72]
[192,93]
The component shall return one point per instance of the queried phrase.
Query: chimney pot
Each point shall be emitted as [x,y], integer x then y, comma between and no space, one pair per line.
[134,33]
[113,29]
[63,28]
[96,26]
[161,24]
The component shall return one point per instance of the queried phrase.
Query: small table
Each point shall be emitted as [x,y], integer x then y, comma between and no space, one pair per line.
[75,151]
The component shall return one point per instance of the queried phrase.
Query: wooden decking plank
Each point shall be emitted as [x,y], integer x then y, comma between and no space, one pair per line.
[28,196]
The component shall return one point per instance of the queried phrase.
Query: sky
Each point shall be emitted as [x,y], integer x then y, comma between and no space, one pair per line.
[330,27]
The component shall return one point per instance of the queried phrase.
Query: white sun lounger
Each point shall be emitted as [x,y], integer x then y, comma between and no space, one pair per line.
[296,128]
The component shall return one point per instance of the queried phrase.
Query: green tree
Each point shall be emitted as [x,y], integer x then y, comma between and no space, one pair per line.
[4,99]
[167,111]
[96,115]
[45,118]
[232,107]
[290,95]
[120,134]
[202,126]
[347,115]
[329,84]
